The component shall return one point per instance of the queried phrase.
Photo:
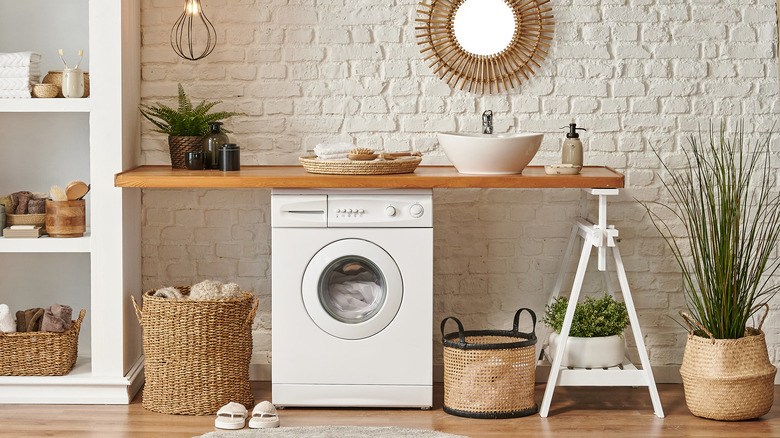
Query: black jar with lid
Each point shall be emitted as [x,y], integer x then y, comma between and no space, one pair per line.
[229,157]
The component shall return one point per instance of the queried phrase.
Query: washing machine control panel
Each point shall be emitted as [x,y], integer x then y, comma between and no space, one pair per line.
[393,211]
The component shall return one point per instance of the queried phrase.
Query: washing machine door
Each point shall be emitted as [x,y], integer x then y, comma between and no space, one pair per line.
[352,289]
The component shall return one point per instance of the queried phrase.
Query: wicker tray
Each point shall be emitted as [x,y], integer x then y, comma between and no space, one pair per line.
[373,167]
[40,353]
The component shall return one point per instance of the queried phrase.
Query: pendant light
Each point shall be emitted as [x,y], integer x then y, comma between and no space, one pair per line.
[193,25]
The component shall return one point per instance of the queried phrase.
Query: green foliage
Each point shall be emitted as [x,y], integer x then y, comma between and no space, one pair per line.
[729,206]
[592,318]
[186,120]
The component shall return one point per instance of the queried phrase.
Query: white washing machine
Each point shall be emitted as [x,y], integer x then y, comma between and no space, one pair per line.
[352,297]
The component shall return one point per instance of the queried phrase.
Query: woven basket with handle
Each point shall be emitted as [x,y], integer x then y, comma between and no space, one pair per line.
[197,352]
[727,379]
[490,373]
[40,353]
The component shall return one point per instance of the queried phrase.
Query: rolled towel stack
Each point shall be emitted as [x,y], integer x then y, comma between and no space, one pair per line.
[18,72]
[336,151]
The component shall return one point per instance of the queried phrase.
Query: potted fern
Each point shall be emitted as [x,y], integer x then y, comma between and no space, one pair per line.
[595,339]
[186,126]
[728,204]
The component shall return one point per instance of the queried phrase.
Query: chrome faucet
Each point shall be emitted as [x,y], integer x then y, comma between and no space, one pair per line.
[487,122]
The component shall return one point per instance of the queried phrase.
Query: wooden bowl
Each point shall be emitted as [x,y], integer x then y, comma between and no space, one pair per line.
[45,90]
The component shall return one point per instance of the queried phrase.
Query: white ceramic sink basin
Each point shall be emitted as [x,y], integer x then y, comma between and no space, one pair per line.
[490,154]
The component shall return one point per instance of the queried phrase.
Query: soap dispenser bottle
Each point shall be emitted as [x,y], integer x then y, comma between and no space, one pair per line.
[572,147]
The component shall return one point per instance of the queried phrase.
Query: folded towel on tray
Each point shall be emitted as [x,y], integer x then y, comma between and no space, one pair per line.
[335,151]
[19,59]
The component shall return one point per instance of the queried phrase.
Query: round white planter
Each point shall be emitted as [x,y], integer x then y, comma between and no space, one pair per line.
[600,352]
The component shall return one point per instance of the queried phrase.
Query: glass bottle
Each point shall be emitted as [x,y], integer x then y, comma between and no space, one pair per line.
[212,143]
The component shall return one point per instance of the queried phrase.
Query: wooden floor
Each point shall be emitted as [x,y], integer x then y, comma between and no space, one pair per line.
[576,412]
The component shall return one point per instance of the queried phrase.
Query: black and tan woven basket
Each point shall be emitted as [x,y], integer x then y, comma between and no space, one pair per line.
[727,379]
[348,167]
[490,373]
[40,353]
[178,146]
[197,352]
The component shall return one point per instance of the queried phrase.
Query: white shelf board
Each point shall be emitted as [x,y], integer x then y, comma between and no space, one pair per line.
[53,105]
[77,387]
[46,244]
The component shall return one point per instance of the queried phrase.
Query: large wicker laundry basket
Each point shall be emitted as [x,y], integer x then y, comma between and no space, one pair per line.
[197,352]
[490,373]
[727,379]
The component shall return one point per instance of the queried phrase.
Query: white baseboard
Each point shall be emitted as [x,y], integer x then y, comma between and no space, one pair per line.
[662,373]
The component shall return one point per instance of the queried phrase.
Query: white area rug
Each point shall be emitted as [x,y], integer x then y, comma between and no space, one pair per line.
[330,432]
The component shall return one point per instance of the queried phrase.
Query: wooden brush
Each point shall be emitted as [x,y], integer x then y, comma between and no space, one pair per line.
[58,194]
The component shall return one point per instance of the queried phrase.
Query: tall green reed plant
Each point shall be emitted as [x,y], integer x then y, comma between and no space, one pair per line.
[729,206]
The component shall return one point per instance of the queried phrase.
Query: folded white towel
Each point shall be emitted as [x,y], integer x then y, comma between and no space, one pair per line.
[7,323]
[333,157]
[19,72]
[19,59]
[15,94]
[332,149]
[15,84]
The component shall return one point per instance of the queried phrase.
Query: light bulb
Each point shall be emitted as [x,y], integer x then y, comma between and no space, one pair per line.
[192,30]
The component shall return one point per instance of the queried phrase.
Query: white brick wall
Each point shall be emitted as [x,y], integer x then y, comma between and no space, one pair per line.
[638,74]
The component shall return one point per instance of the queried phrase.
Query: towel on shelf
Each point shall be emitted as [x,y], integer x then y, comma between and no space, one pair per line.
[15,84]
[19,59]
[15,94]
[31,72]
[336,151]
[7,324]
[29,320]
[57,319]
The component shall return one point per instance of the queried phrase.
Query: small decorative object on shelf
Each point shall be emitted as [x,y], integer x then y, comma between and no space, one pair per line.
[54,77]
[192,28]
[595,339]
[194,160]
[186,126]
[66,212]
[212,143]
[45,90]
[229,157]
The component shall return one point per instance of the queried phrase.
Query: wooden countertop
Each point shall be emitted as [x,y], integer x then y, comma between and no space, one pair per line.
[593,177]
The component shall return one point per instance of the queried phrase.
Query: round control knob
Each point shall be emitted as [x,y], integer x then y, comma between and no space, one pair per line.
[349,210]
[360,211]
[416,210]
[338,210]
[390,210]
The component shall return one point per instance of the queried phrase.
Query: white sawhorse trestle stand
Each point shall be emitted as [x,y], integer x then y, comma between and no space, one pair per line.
[602,237]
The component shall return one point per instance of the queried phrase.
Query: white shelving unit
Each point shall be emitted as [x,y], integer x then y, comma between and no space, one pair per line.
[52,141]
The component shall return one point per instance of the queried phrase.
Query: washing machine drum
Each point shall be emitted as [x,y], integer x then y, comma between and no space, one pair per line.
[352,289]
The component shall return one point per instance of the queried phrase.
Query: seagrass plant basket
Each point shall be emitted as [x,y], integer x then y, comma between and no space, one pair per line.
[40,353]
[727,379]
[197,352]
[490,373]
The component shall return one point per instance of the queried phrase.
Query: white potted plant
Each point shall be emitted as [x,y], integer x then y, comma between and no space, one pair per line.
[595,339]
[728,203]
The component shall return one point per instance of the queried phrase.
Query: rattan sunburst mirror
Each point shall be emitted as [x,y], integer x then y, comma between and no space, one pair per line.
[484,45]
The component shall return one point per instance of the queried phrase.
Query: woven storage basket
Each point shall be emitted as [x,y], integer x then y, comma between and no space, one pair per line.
[490,373]
[349,167]
[728,379]
[26,219]
[40,353]
[197,352]
[178,146]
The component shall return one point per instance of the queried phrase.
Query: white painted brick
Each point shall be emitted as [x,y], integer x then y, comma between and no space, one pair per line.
[628,89]
[584,105]
[295,16]
[298,36]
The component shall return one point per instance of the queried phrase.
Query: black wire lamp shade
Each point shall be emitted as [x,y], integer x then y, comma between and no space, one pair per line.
[193,29]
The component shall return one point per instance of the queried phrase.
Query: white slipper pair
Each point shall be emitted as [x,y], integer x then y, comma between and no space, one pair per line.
[233,416]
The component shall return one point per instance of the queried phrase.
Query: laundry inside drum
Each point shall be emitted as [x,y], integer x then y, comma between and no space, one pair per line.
[352,289]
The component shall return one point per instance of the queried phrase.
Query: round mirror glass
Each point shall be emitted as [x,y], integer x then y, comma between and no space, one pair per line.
[484,27]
